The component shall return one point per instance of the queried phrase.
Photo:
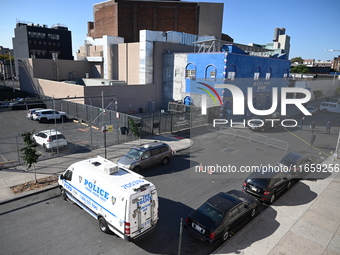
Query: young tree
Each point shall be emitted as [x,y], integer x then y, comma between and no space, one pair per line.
[29,151]
[134,129]
[318,93]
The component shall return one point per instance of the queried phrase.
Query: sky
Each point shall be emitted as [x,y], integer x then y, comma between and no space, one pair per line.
[312,25]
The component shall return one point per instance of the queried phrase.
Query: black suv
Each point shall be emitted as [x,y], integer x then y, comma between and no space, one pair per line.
[295,164]
[220,215]
[266,185]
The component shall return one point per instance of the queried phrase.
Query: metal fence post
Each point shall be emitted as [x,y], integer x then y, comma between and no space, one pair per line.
[16,138]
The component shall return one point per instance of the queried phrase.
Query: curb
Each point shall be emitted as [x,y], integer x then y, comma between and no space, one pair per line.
[54,186]
[47,188]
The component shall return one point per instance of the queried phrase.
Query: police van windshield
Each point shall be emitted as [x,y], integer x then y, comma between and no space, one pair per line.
[134,154]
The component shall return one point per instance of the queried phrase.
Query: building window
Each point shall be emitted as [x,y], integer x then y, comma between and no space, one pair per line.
[286,74]
[268,73]
[190,71]
[190,74]
[177,72]
[257,73]
[210,72]
[232,72]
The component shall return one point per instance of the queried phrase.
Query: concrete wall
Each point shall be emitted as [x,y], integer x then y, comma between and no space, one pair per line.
[128,63]
[60,89]
[210,19]
[129,97]
[171,78]
[326,85]
[48,69]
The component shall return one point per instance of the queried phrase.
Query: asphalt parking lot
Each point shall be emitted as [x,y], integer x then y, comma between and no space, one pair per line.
[80,137]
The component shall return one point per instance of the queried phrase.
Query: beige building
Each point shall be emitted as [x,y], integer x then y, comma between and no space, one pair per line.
[132,72]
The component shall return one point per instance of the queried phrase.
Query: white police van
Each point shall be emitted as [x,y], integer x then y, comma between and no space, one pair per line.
[122,201]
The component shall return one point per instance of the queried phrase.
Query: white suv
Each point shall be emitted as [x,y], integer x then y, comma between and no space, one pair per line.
[49,139]
[49,114]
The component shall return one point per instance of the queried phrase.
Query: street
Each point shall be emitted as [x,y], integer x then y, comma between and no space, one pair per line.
[46,224]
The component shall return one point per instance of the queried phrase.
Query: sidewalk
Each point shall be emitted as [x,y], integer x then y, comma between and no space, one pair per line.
[55,166]
[305,220]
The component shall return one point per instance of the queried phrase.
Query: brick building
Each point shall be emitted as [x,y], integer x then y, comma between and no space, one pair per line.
[124,18]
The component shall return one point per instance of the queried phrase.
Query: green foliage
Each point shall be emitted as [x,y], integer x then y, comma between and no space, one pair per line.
[297,59]
[134,129]
[318,93]
[6,57]
[29,152]
[337,91]
[299,69]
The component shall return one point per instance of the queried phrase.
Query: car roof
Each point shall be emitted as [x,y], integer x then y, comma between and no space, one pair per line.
[223,201]
[265,174]
[151,145]
[50,132]
[292,157]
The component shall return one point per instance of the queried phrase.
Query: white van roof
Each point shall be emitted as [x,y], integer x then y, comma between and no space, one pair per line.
[118,178]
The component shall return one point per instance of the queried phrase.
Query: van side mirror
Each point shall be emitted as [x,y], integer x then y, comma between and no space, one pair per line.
[62,177]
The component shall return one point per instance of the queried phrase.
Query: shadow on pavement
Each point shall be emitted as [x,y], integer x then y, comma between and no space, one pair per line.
[268,226]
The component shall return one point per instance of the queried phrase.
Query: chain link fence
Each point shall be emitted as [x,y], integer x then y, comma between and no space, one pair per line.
[87,132]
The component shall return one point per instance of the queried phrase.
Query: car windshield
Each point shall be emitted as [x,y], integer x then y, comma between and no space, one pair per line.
[259,182]
[214,214]
[134,154]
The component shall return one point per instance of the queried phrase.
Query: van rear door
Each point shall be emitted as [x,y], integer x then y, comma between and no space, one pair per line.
[143,211]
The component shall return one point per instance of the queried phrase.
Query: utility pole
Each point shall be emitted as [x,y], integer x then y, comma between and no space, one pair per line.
[10,64]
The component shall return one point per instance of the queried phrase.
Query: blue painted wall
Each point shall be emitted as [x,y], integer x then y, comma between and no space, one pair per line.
[244,67]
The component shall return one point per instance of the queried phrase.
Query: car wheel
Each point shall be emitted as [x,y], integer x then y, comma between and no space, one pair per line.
[103,225]
[63,193]
[324,110]
[45,148]
[225,235]
[43,120]
[165,161]
[253,212]
[289,184]
[272,199]
[137,169]
[263,129]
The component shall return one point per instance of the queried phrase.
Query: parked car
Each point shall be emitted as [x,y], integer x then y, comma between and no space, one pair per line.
[50,139]
[329,107]
[266,185]
[221,215]
[312,109]
[26,103]
[49,114]
[146,156]
[31,112]
[263,123]
[295,163]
